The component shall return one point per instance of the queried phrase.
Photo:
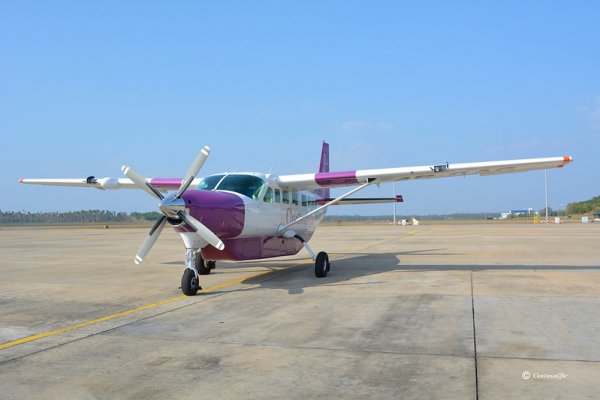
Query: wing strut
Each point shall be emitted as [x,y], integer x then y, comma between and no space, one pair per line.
[324,206]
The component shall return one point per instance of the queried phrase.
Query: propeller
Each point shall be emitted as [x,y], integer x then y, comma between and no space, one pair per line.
[193,170]
[173,207]
[149,242]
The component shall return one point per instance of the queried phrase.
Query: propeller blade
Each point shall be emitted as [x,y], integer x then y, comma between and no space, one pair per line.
[141,182]
[193,170]
[202,230]
[150,240]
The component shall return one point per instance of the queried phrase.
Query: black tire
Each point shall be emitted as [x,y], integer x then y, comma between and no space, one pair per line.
[202,267]
[322,265]
[211,265]
[189,283]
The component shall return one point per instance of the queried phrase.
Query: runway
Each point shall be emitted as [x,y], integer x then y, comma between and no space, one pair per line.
[480,311]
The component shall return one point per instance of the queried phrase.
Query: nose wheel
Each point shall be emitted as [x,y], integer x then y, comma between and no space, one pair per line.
[189,283]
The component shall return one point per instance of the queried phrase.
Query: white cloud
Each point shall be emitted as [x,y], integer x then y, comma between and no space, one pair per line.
[526,145]
[351,126]
[595,114]
[362,126]
[591,113]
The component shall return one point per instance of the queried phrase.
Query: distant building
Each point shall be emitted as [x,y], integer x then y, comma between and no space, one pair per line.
[521,213]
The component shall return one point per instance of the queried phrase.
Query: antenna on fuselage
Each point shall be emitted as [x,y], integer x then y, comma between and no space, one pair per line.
[271,169]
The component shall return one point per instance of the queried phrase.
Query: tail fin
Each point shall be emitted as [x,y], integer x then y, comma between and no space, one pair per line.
[324,167]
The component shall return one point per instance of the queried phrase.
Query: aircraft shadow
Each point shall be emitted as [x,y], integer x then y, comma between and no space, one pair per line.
[346,267]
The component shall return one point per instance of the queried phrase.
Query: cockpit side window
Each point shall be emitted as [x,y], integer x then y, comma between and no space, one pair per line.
[268,196]
[277,196]
[209,182]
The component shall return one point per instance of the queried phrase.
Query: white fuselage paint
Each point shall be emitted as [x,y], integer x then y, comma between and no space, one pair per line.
[262,219]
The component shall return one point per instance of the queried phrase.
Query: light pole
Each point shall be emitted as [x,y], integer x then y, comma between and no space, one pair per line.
[546,191]
[394,190]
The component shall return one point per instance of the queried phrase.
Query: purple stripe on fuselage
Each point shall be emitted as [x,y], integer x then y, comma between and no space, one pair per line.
[253,248]
[171,183]
[336,178]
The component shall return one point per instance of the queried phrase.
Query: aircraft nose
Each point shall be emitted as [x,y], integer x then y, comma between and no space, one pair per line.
[223,213]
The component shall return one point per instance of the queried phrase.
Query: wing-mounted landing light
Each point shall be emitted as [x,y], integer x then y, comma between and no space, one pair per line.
[173,207]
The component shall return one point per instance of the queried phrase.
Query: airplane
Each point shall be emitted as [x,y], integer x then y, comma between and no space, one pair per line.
[249,215]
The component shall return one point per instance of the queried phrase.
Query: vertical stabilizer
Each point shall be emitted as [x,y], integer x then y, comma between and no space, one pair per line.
[324,167]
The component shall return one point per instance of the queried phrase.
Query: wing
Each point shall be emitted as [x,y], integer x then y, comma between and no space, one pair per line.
[162,184]
[352,178]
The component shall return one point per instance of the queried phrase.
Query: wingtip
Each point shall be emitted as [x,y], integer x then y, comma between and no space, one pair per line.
[566,160]
[22,180]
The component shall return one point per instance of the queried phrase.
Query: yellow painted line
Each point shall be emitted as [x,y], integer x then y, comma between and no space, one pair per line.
[87,323]
[120,314]
[167,301]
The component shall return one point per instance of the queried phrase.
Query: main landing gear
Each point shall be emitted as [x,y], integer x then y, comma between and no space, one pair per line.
[195,266]
[322,264]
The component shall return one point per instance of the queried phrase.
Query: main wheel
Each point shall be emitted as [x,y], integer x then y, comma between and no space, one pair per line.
[211,265]
[202,267]
[322,265]
[189,283]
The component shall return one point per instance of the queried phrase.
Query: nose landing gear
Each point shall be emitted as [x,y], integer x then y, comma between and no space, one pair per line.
[190,284]
[194,267]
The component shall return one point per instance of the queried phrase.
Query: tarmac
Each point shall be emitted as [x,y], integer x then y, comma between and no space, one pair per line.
[482,311]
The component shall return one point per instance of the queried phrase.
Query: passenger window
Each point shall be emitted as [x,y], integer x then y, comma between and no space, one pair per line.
[304,201]
[268,196]
[295,198]
[277,196]
[286,197]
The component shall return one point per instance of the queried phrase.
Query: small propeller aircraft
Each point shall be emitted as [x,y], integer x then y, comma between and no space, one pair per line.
[247,216]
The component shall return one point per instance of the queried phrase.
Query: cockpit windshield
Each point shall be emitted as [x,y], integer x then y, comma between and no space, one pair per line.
[248,185]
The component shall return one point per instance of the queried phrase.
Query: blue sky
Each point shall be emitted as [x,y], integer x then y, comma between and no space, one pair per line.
[88,86]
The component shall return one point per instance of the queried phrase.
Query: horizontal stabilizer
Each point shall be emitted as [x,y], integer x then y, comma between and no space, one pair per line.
[367,200]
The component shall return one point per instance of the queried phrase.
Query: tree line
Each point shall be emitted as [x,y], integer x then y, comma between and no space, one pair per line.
[74,217]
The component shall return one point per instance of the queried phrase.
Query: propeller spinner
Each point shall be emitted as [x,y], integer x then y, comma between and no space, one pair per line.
[173,207]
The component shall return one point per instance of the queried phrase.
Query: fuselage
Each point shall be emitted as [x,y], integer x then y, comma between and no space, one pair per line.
[246,211]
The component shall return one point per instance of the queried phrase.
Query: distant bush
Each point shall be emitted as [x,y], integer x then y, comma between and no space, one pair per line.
[584,207]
